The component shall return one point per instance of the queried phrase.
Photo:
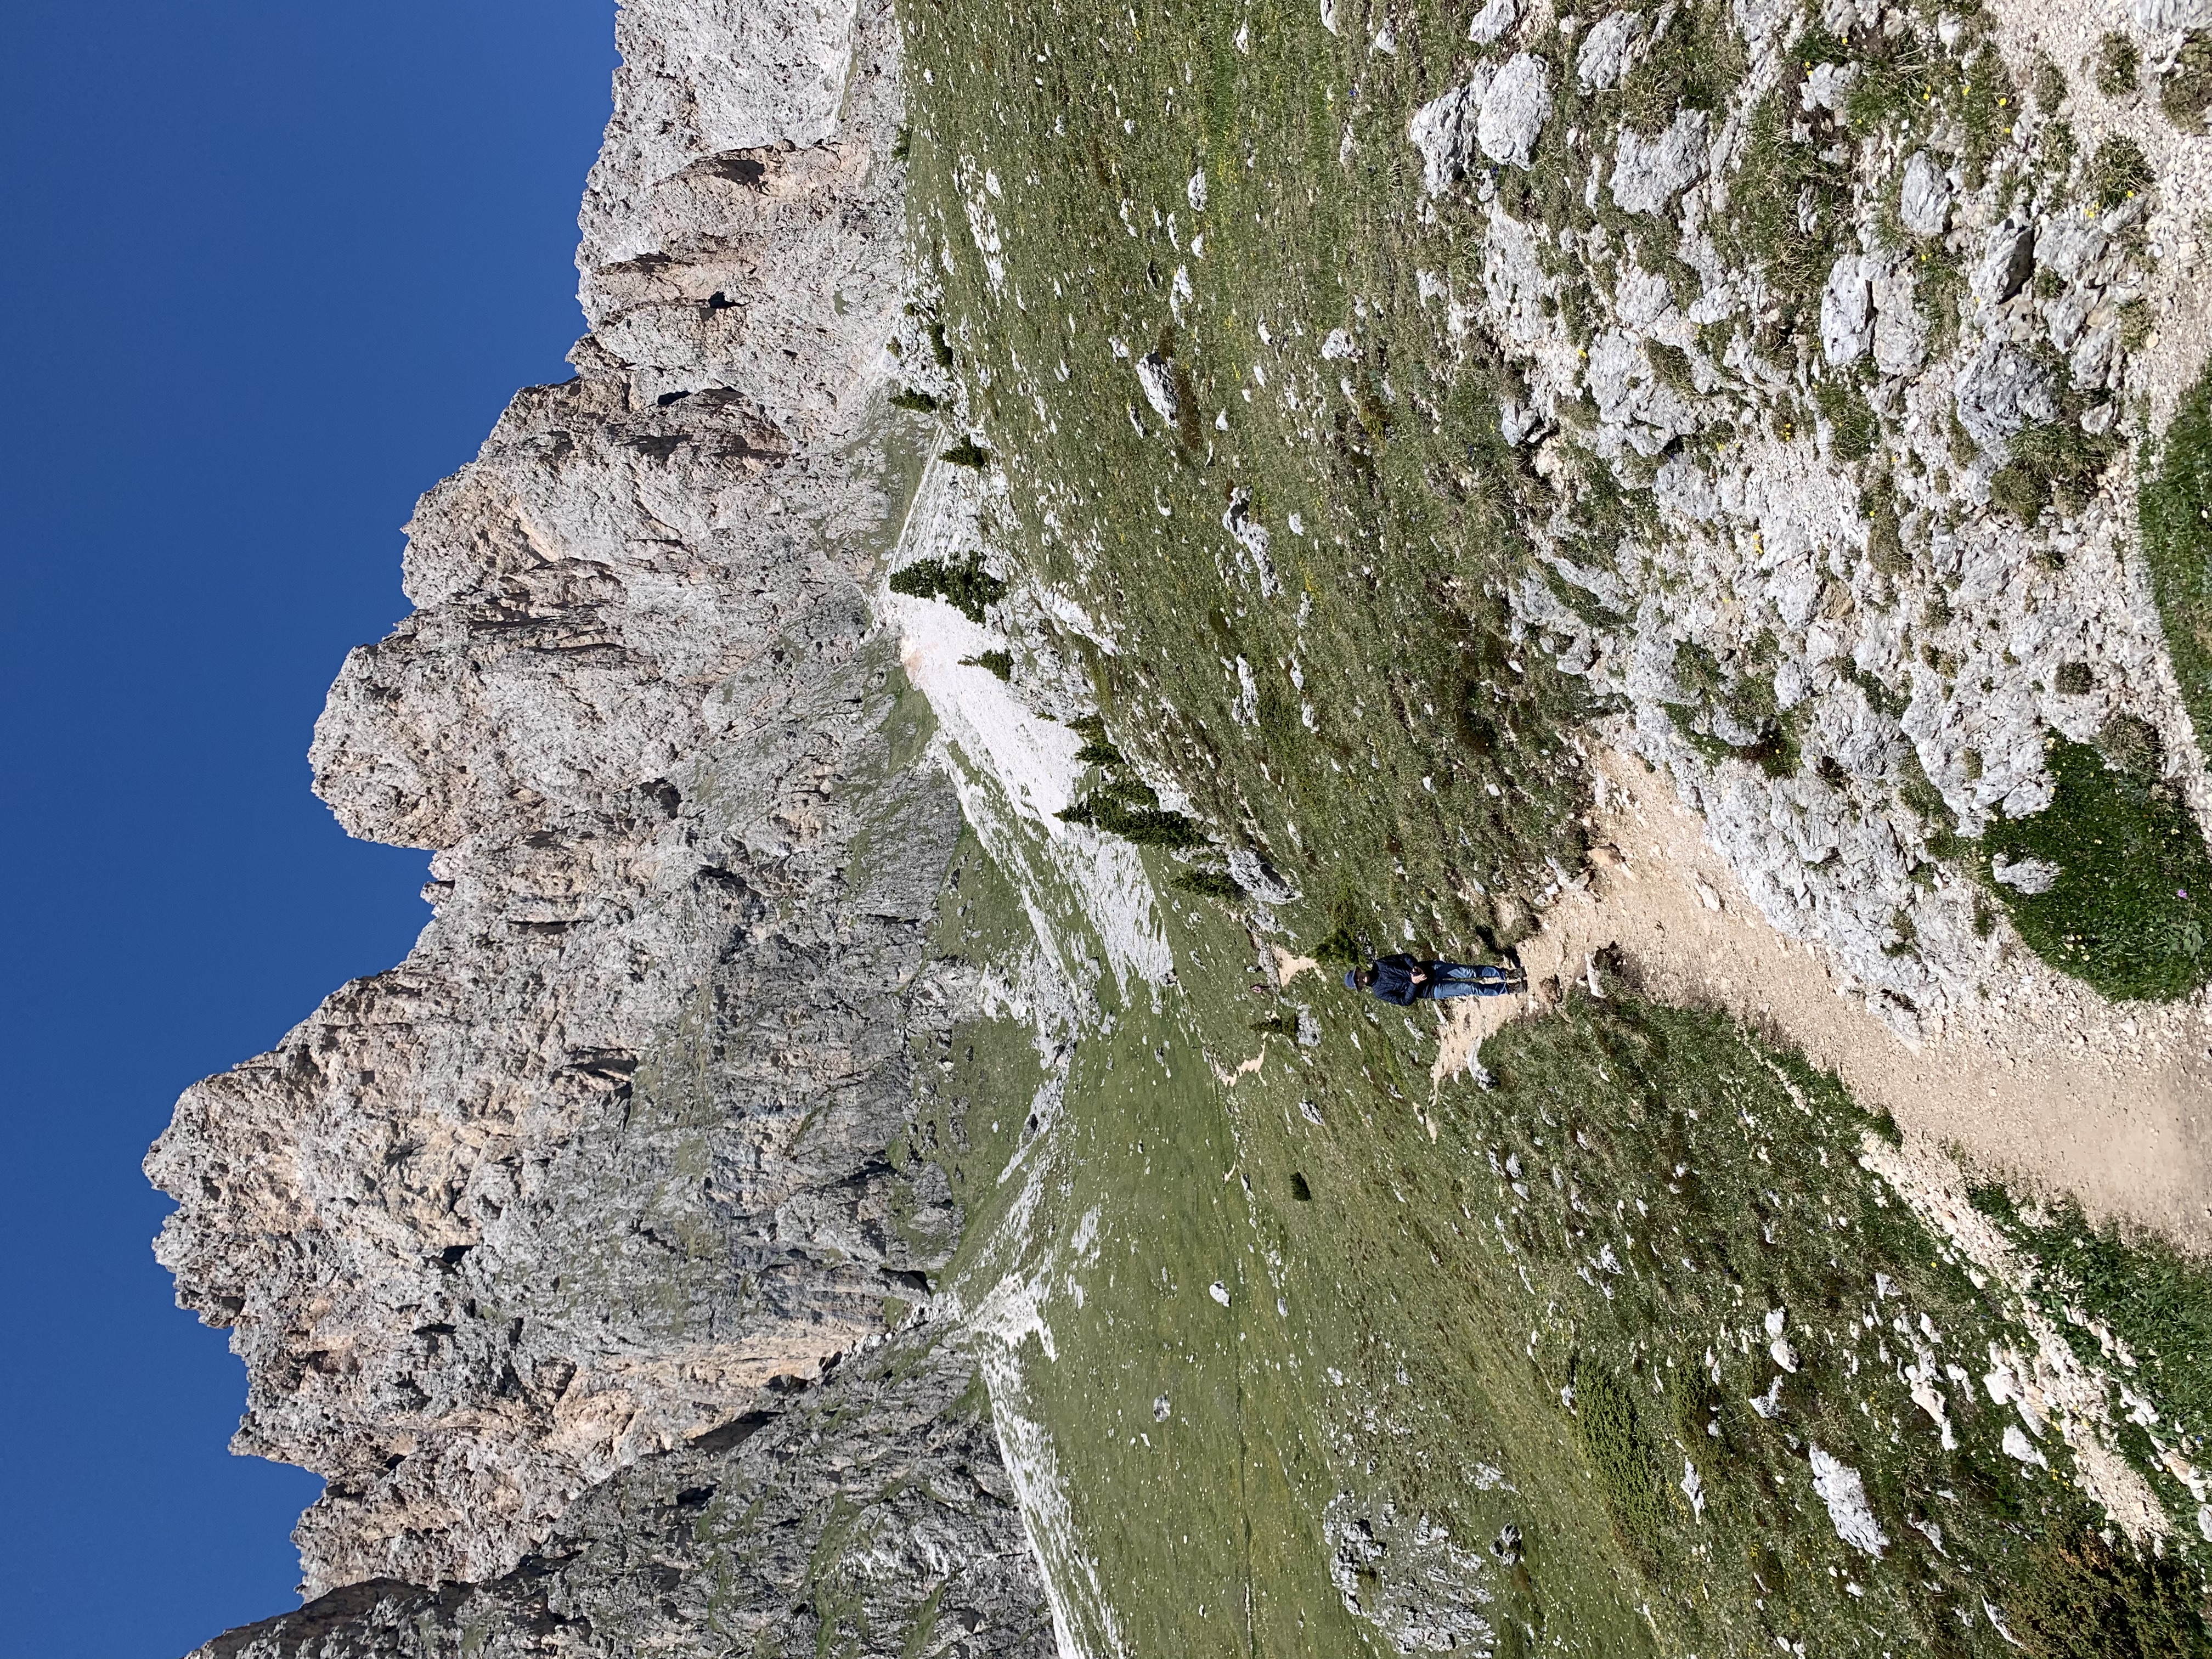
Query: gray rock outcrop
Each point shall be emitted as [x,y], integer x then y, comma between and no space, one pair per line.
[1649,173]
[1495,115]
[1514,110]
[1492,20]
[2000,390]
[1857,578]
[1442,130]
[2007,261]
[1847,312]
[1924,198]
[1156,375]
[1603,56]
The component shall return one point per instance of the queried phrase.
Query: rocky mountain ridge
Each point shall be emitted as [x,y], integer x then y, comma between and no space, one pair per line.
[595,1181]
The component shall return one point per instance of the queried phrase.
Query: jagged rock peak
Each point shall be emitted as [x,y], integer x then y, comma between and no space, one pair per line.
[518,1235]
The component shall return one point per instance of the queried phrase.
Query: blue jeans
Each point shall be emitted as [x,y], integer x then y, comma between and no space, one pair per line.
[1458,979]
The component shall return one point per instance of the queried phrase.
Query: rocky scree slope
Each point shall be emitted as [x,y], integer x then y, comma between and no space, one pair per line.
[875,1512]
[595,1181]
[1831,335]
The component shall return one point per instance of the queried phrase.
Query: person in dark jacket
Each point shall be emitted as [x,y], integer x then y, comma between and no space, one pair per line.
[1404,980]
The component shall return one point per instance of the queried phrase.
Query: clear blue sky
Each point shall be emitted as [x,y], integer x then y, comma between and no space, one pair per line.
[270,268]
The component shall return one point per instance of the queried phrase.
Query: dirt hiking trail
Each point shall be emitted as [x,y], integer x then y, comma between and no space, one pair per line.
[2043,1082]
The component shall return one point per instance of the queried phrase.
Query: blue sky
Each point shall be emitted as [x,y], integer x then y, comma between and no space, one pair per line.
[270,270]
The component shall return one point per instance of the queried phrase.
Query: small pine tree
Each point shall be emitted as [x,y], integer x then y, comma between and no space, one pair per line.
[968,588]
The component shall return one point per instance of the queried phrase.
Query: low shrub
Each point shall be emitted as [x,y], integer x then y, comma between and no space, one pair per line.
[2083,1598]
[1210,883]
[1623,1460]
[1121,803]
[1130,810]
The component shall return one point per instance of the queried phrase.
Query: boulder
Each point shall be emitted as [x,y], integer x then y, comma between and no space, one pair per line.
[2000,390]
[1443,130]
[1827,85]
[2008,260]
[1157,376]
[1492,20]
[1925,202]
[1901,332]
[1649,173]
[2094,359]
[2069,246]
[1604,55]
[1847,313]
[1514,111]
[2028,876]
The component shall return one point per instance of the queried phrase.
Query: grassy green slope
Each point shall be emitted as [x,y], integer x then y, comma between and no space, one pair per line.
[1440,1327]
[1415,1335]
[1395,740]
[2176,507]
[1361,709]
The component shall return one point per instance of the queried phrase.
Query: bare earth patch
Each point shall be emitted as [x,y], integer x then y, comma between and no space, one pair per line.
[2043,1082]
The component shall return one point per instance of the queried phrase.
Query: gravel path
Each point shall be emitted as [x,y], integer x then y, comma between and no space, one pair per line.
[2045,1082]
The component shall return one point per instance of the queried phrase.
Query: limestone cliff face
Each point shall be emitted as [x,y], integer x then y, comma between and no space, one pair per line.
[600,1169]
[874,1515]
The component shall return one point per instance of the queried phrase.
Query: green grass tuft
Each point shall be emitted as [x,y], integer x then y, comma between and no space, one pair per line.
[2175,503]
[1853,427]
[2055,464]
[2119,65]
[2185,93]
[1762,226]
[2118,171]
[2127,913]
